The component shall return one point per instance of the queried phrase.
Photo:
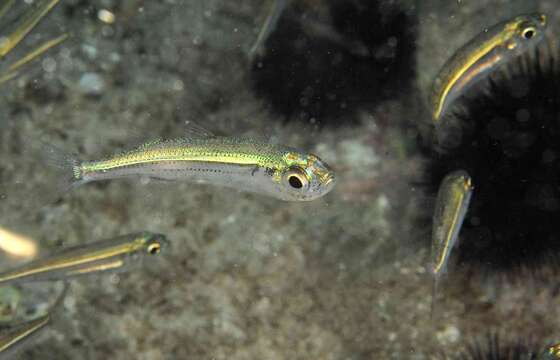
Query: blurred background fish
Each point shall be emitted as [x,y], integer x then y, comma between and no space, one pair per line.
[116,254]
[24,25]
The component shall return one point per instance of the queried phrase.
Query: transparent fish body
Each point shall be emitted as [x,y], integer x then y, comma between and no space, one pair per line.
[25,24]
[481,56]
[452,203]
[269,25]
[14,339]
[115,254]
[242,164]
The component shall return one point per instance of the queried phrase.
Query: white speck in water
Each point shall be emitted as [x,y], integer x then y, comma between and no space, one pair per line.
[106,16]
[48,64]
[115,57]
[90,51]
[178,85]
[449,335]
[92,84]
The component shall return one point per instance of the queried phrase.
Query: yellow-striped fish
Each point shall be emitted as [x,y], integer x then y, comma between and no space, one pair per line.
[452,203]
[115,254]
[16,338]
[25,24]
[244,164]
[13,339]
[482,55]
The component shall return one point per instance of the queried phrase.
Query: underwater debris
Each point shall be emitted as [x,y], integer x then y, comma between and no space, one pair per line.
[324,62]
[508,140]
[481,56]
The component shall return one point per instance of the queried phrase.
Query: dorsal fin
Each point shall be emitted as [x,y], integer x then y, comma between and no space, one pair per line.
[151,143]
[197,131]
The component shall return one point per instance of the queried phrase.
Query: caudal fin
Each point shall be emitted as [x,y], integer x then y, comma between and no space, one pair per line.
[67,167]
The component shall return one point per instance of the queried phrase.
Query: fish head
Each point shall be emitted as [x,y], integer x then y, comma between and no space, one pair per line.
[305,177]
[155,243]
[525,31]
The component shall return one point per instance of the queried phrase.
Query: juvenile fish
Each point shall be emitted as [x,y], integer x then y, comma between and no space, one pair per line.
[18,337]
[113,254]
[27,22]
[243,164]
[452,203]
[482,55]
[269,25]
[14,339]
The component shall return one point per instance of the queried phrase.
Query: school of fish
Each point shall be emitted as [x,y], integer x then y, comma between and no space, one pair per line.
[248,165]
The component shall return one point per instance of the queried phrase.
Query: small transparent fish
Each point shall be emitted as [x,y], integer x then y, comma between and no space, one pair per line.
[452,203]
[25,24]
[14,339]
[243,164]
[482,55]
[269,25]
[13,69]
[115,254]
[19,336]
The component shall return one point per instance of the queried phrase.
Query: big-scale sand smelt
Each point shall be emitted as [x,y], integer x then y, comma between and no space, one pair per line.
[482,55]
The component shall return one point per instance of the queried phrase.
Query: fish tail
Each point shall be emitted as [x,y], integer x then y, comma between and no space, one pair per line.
[71,174]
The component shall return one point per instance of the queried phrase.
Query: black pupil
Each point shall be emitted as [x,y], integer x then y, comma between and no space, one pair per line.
[529,34]
[295,182]
[154,249]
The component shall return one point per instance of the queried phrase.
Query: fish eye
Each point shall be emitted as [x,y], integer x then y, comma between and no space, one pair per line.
[154,248]
[297,179]
[529,33]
